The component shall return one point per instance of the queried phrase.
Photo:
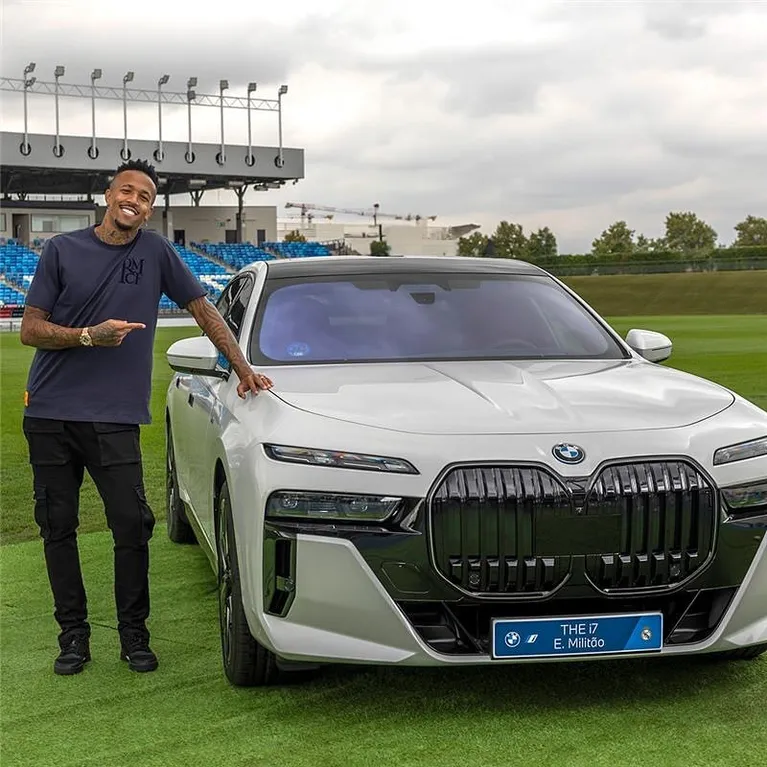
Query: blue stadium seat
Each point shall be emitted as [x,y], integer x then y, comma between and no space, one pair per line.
[236,254]
[17,265]
[10,297]
[298,249]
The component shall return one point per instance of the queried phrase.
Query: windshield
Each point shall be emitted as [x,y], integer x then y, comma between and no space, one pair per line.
[391,317]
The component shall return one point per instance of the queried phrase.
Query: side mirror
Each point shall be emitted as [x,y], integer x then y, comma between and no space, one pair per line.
[197,355]
[653,346]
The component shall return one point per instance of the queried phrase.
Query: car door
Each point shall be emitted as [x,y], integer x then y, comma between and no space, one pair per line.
[195,403]
[212,405]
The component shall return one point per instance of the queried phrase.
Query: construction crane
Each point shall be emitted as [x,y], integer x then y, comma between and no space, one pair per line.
[375,213]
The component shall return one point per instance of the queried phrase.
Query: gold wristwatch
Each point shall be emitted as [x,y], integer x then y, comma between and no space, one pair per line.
[85,338]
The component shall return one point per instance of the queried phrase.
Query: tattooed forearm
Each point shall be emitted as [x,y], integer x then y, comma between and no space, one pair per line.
[38,332]
[212,323]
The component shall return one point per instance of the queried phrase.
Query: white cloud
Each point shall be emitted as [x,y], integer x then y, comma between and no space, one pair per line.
[566,114]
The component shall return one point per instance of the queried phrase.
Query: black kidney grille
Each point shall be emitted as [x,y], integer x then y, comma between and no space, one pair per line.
[667,513]
[484,529]
[522,530]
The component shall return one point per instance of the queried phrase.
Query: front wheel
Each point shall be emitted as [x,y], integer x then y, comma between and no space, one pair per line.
[246,662]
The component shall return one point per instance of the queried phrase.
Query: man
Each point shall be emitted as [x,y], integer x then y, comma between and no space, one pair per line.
[91,312]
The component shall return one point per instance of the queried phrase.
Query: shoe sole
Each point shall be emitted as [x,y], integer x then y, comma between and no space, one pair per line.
[70,670]
[140,669]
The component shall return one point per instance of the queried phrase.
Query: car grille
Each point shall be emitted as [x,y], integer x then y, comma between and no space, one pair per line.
[521,530]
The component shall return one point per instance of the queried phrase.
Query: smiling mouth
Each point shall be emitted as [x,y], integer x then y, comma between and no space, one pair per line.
[130,212]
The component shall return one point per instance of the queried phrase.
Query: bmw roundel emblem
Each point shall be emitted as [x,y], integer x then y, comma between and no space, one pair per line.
[568,453]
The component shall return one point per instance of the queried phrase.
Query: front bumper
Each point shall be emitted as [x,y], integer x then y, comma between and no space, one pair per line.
[341,611]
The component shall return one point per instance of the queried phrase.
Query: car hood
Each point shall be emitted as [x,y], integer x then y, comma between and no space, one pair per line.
[502,397]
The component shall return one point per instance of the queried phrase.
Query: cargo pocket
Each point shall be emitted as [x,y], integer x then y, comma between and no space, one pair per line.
[45,438]
[147,516]
[118,443]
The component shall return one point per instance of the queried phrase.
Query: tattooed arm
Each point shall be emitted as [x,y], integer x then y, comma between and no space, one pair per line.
[38,332]
[212,323]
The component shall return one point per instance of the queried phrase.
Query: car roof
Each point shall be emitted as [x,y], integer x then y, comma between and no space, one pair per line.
[329,265]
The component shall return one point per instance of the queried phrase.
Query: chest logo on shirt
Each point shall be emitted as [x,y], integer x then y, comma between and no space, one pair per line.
[133,269]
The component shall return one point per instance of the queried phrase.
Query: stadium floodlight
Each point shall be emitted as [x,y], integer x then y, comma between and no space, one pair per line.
[250,160]
[93,152]
[125,152]
[190,97]
[58,72]
[159,155]
[280,93]
[222,86]
[28,83]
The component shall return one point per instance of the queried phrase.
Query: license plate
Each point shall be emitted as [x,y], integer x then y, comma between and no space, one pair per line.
[572,636]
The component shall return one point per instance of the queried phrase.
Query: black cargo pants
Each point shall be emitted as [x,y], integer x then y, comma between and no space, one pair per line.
[59,452]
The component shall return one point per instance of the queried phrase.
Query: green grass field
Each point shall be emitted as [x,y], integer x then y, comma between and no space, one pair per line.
[627,713]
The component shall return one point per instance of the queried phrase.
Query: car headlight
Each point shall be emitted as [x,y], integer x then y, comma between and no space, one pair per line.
[339,459]
[752,449]
[331,506]
[748,498]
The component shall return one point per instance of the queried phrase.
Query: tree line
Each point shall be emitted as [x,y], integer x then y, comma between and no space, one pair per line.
[685,234]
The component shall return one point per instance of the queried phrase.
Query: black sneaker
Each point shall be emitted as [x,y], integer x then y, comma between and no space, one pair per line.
[134,647]
[75,653]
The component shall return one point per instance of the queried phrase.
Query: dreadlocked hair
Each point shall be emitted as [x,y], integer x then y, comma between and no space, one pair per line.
[142,166]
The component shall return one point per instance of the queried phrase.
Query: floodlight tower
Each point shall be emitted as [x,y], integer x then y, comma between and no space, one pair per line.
[28,83]
[125,152]
[280,93]
[58,150]
[93,152]
[159,154]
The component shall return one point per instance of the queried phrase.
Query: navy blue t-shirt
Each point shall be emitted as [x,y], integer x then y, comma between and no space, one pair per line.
[82,281]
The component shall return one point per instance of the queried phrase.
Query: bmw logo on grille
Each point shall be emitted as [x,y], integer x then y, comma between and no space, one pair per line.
[568,453]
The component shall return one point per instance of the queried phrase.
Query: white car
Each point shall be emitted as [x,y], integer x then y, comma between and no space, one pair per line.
[460,463]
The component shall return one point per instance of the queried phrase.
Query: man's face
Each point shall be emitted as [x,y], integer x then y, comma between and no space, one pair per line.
[129,199]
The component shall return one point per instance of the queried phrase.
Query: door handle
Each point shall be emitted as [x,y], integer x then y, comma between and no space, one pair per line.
[190,400]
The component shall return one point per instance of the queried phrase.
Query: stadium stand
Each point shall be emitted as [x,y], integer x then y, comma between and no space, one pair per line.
[17,266]
[298,249]
[10,296]
[211,274]
[235,254]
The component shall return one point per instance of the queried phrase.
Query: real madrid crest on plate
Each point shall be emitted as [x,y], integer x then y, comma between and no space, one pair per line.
[568,453]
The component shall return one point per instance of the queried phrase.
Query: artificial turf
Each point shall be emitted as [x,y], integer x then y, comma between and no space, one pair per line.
[617,713]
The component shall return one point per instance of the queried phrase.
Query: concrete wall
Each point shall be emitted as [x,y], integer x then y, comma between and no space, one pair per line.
[29,224]
[404,239]
[208,222]
[205,222]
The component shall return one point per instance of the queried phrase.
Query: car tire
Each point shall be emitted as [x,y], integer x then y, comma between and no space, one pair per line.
[246,662]
[744,653]
[179,529]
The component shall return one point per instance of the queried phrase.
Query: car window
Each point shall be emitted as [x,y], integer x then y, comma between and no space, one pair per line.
[240,300]
[424,317]
[225,299]
[233,301]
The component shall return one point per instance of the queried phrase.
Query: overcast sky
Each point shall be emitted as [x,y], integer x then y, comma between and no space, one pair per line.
[567,114]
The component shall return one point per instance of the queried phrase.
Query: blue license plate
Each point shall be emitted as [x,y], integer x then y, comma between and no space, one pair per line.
[589,635]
